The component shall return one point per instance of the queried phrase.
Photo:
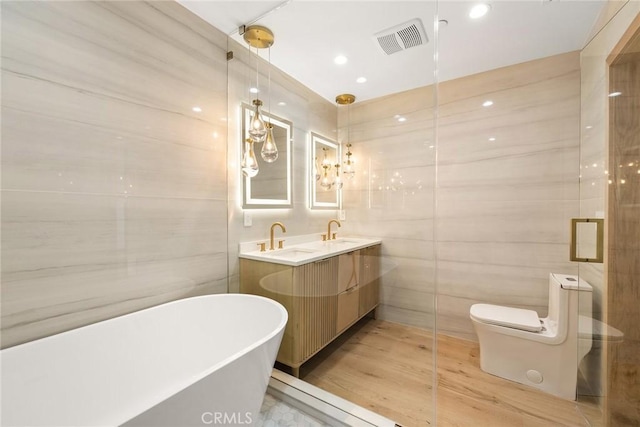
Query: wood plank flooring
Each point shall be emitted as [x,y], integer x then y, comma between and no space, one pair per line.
[387,368]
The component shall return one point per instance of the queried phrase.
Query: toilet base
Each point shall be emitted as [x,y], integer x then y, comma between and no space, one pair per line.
[552,369]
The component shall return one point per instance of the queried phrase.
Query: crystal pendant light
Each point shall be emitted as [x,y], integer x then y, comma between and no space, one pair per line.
[348,164]
[338,181]
[325,182]
[249,164]
[269,152]
[260,38]
[257,127]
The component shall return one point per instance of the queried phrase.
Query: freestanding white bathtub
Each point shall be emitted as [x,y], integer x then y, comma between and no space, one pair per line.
[192,362]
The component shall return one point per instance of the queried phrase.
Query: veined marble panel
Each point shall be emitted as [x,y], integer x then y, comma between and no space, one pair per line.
[409,299]
[555,188]
[506,221]
[74,259]
[531,258]
[424,319]
[114,189]
[501,80]
[514,285]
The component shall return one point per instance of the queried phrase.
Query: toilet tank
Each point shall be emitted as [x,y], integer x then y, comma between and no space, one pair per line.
[564,292]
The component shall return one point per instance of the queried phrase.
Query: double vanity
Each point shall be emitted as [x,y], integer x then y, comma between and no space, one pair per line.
[327,283]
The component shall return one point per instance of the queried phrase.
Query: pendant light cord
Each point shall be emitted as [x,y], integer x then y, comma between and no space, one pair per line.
[269,85]
[257,74]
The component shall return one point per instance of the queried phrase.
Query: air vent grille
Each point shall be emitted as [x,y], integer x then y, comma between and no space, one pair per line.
[401,37]
[389,44]
[410,36]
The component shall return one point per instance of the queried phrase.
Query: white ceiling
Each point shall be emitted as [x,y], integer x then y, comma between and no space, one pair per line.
[309,34]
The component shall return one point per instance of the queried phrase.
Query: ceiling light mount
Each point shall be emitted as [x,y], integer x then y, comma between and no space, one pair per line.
[258,36]
[345,99]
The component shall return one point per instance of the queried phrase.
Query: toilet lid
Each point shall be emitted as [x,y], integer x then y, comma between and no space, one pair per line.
[517,318]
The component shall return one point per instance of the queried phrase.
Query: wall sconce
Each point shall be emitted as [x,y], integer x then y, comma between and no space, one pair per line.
[259,131]
[349,171]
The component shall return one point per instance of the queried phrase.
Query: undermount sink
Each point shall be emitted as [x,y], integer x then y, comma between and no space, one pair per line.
[343,242]
[293,252]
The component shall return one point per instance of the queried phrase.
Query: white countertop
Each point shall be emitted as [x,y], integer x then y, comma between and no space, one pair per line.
[300,250]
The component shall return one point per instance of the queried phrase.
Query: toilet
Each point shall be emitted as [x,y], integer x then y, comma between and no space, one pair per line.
[539,352]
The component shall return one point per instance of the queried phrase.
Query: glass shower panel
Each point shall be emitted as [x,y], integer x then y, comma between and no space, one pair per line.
[507,188]
[610,91]
[383,362]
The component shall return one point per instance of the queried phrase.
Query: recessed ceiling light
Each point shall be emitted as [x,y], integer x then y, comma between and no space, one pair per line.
[612,94]
[361,79]
[282,103]
[197,109]
[479,10]
[402,119]
[487,103]
[340,59]
[492,139]
[254,90]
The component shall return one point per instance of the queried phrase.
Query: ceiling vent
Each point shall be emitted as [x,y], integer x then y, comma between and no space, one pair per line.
[401,37]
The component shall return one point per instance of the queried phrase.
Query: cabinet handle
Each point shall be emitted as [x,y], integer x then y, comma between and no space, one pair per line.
[320,261]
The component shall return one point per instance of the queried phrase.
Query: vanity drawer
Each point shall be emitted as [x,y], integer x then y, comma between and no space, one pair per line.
[348,304]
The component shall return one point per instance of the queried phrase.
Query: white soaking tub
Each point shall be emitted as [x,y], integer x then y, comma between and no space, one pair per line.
[198,361]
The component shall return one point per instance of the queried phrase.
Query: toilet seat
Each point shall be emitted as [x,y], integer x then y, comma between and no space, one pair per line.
[516,318]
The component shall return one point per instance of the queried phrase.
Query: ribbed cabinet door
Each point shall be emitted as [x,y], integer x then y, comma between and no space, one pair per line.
[316,287]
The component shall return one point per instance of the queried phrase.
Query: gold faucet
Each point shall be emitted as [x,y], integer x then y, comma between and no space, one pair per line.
[329,228]
[284,230]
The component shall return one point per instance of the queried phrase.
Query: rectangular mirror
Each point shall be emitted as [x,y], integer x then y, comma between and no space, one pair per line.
[271,187]
[325,178]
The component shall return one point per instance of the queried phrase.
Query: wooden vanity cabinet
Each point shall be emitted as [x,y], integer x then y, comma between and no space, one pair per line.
[323,298]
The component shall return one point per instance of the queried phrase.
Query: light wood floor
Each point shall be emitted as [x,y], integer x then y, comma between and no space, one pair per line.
[387,368]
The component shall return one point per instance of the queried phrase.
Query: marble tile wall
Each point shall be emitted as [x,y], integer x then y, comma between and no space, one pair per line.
[114,191]
[507,185]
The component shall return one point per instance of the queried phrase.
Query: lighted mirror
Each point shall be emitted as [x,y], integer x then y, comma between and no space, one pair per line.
[271,187]
[325,177]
